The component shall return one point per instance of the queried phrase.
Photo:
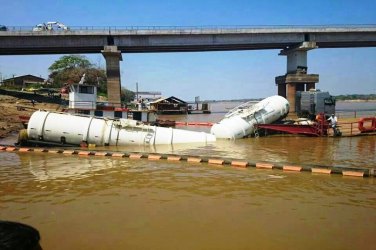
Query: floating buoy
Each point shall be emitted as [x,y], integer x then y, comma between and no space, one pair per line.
[370,121]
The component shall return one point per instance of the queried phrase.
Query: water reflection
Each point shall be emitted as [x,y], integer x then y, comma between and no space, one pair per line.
[86,175]
[47,167]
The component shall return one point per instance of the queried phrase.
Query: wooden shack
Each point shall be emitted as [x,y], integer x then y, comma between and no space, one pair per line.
[170,105]
[23,81]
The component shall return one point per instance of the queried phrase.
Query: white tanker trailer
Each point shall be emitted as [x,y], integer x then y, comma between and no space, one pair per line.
[53,127]
[240,122]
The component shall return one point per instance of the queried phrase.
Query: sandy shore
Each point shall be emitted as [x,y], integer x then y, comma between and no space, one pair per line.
[357,100]
[9,112]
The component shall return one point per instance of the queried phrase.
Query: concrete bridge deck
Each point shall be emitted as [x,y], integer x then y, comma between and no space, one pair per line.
[133,39]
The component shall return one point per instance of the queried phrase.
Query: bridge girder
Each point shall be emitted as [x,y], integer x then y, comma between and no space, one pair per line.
[72,42]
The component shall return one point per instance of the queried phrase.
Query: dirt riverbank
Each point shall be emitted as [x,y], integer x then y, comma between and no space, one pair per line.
[12,107]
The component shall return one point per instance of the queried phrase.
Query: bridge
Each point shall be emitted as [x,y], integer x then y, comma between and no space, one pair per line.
[24,41]
[293,41]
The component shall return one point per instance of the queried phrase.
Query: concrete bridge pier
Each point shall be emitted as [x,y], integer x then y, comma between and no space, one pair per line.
[296,78]
[113,58]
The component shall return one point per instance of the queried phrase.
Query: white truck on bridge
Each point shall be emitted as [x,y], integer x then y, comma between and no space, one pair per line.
[50,26]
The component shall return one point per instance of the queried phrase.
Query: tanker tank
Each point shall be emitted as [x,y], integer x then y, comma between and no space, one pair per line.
[240,122]
[54,127]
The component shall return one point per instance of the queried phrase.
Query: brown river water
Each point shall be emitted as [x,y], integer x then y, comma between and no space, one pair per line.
[80,202]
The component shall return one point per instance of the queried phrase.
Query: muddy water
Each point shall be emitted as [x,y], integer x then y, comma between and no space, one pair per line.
[103,203]
[79,202]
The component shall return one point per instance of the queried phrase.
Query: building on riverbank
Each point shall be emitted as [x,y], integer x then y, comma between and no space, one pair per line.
[169,105]
[23,81]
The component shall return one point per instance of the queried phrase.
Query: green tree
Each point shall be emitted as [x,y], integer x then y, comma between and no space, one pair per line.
[127,95]
[70,69]
[70,62]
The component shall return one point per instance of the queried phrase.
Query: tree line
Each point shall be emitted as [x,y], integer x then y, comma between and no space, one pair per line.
[69,69]
[365,97]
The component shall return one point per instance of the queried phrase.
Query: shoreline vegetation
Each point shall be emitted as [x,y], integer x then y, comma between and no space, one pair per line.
[356,97]
[339,98]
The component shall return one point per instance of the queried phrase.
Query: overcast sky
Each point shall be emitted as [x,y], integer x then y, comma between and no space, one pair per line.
[210,75]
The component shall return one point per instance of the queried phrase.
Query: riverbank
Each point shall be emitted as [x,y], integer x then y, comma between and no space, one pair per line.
[357,100]
[12,107]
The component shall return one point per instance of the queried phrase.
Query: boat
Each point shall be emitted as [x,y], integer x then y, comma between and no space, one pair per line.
[74,129]
[240,121]
[83,100]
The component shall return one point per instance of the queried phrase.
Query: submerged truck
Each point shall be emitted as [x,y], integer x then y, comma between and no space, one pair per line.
[313,102]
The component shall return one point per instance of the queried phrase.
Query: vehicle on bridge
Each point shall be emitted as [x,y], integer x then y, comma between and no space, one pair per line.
[50,26]
[3,28]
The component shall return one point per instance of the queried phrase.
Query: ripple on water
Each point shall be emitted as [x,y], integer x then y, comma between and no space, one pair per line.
[62,179]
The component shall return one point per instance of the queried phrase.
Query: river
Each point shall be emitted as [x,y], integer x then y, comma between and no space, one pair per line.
[80,202]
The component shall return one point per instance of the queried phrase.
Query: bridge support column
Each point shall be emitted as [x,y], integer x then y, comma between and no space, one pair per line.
[291,93]
[282,90]
[113,58]
[296,78]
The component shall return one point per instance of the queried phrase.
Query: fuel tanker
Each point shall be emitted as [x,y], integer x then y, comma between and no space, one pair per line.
[63,128]
[240,122]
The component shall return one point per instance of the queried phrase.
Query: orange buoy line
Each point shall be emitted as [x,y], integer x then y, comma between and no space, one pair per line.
[217,161]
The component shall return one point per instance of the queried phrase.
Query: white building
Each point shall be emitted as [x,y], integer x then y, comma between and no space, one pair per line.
[83,96]
[148,96]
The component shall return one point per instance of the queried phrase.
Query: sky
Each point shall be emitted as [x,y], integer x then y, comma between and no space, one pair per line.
[210,75]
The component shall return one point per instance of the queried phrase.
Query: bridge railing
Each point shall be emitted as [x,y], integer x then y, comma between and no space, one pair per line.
[355,113]
[193,29]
